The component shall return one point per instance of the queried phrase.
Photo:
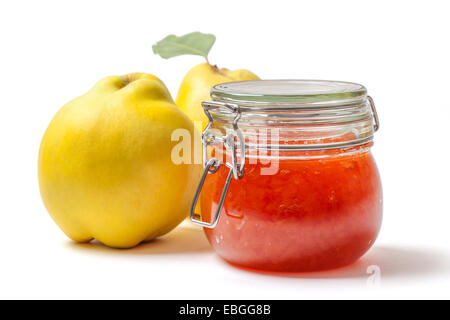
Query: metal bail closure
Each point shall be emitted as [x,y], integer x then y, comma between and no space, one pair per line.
[376,120]
[212,165]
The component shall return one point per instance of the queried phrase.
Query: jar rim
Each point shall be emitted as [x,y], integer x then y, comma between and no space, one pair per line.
[321,114]
[292,94]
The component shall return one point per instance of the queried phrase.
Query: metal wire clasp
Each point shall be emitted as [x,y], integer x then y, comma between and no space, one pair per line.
[376,120]
[212,165]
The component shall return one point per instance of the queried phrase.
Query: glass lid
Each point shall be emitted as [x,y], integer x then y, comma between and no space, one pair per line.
[310,92]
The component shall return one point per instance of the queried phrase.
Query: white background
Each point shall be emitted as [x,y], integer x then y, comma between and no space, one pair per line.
[52,51]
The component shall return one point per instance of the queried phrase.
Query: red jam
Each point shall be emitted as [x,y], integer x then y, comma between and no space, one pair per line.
[313,214]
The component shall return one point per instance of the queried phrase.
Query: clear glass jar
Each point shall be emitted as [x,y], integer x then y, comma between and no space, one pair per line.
[306,195]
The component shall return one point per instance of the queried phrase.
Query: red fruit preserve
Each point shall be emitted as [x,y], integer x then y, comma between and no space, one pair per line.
[306,195]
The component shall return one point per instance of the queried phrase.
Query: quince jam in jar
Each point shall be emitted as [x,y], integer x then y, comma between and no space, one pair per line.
[306,195]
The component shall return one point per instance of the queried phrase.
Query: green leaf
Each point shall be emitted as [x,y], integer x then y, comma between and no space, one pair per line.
[195,43]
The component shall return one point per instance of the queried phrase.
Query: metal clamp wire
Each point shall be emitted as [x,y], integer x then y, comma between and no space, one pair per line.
[212,165]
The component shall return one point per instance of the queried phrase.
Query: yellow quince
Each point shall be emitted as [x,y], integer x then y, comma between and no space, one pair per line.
[105,167]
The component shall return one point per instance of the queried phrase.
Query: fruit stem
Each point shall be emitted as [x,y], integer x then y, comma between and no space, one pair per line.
[214,67]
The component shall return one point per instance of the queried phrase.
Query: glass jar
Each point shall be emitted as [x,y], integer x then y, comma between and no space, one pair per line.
[290,183]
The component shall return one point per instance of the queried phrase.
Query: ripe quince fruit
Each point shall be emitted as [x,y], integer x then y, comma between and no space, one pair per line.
[197,84]
[105,167]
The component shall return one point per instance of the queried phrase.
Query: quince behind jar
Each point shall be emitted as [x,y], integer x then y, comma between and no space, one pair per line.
[105,167]
[197,84]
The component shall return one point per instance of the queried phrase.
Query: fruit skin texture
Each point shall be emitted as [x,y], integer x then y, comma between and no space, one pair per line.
[105,168]
[197,84]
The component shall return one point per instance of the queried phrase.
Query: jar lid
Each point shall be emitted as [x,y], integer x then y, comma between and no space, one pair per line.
[293,92]
[298,109]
